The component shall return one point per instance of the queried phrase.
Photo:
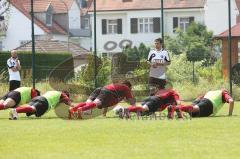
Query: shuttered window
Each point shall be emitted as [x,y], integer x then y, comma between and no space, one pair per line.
[145,25]
[182,23]
[134,25]
[111,26]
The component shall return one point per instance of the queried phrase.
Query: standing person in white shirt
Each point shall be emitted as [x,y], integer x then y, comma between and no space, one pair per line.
[13,69]
[158,60]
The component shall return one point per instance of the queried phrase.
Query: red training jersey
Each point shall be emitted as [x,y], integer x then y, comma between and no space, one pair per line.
[65,99]
[168,95]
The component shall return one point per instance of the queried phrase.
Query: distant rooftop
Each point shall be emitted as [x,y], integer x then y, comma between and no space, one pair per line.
[235,31]
[53,46]
[119,5]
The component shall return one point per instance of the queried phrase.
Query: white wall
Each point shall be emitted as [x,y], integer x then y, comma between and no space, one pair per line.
[19,29]
[102,39]
[86,42]
[74,16]
[146,38]
[198,15]
[216,17]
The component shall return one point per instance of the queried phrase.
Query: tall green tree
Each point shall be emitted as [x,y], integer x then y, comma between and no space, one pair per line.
[195,33]
[196,42]
[196,52]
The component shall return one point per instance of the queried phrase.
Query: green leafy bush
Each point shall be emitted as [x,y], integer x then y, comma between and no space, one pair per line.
[44,63]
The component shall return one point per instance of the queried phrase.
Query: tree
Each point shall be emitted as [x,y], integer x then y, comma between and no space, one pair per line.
[195,33]
[173,45]
[196,52]
[143,51]
[196,42]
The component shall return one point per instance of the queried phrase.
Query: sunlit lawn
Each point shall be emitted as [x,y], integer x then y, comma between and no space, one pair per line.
[110,138]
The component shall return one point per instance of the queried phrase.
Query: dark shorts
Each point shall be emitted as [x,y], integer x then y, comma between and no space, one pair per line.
[156,82]
[154,103]
[14,85]
[14,95]
[95,93]
[40,104]
[107,98]
[205,108]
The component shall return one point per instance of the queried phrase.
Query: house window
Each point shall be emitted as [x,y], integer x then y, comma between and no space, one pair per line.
[182,23]
[145,25]
[112,26]
[86,23]
[83,4]
[49,19]
[49,16]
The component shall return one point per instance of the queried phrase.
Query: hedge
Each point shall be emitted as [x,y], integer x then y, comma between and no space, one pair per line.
[45,63]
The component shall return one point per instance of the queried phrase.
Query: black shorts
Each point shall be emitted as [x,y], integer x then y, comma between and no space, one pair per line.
[154,103]
[13,84]
[156,82]
[40,103]
[95,93]
[14,95]
[205,108]
[107,98]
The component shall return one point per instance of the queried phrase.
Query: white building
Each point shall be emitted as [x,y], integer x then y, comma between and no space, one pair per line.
[121,22]
[53,21]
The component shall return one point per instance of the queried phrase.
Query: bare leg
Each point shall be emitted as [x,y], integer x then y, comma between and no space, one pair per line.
[104,112]
[9,103]
[1,101]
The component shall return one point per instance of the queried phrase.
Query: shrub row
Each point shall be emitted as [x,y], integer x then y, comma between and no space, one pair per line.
[44,64]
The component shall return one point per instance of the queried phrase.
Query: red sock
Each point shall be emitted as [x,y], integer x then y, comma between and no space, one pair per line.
[135,109]
[79,105]
[88,106]
[186,108]
[2,107]
[25,109]
[162,107]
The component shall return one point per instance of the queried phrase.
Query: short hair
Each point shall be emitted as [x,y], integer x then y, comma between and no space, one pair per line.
[159,40]
[13,50]
[38,92]
[127,83]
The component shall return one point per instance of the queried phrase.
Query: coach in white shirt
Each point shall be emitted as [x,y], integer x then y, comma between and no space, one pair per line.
[158,60]
[13,69]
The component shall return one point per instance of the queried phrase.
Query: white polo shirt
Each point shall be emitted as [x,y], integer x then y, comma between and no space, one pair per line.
[161,56]
[13,75]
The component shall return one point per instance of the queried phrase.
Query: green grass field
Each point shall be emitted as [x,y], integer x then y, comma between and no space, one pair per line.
[111,138]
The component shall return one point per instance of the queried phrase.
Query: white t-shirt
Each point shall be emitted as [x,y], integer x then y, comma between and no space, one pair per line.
[13,75]
[161,56]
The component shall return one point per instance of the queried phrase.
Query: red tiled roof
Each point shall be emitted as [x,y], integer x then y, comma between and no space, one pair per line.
[60,6]
[53,46]
[238,4]
[235,31]
[24,7]
[118,5]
